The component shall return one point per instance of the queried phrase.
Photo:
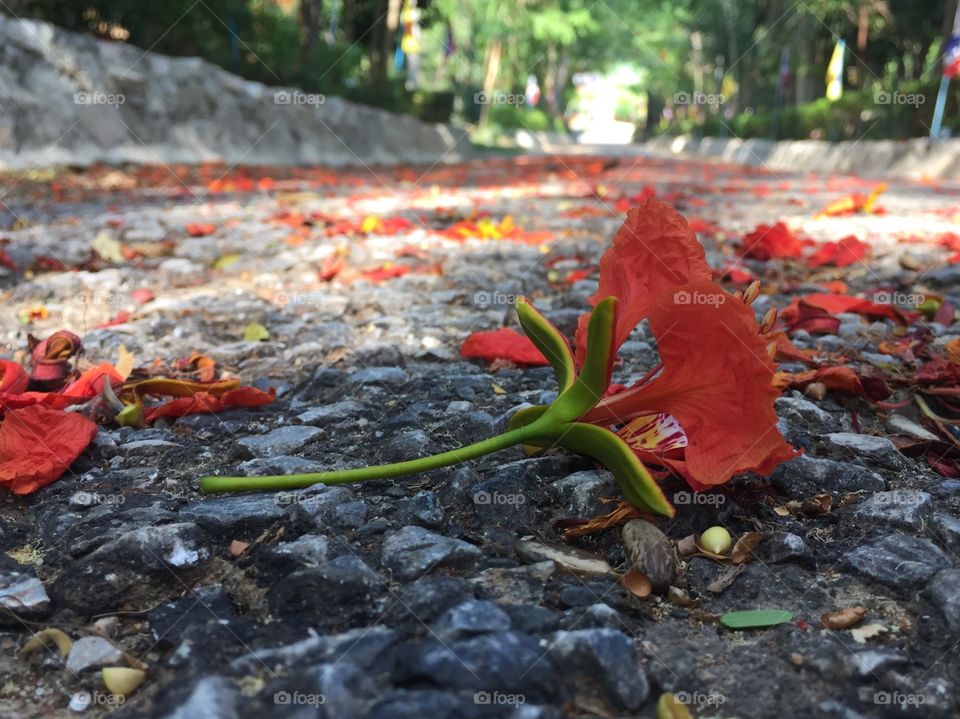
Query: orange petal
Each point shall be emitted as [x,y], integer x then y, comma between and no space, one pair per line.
[653,251]
[721,396]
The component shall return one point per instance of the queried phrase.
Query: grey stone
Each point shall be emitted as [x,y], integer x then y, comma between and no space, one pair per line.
[406,444]
[784,547]
[903,508]
[867,447]
[234,514]
[649,551]
[330,413]
[308,550]
[343,582]
[430,595]
[805,412]
[362,647]
[569,559]
[899,424]
[600,665]
[506,662]
[469,618]
[873,662]
[423,509]
[944,593]
[946,528]
[282,440]
[21,592]
[515,585]
[412,551]
[898,560]
[212,698]
[146,447]
[92,653]
[806,476]
[380,376]
[134,568]
[580,492]
[281,464]
[316,506]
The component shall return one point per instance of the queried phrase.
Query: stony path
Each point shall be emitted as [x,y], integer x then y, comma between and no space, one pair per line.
[433,595]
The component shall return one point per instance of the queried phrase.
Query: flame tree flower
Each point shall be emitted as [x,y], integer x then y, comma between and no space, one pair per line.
[705,412]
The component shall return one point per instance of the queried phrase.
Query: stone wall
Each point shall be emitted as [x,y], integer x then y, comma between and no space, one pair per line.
[870,158]
[68,98]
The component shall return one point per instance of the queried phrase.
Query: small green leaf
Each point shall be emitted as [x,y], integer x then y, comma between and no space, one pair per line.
[638,487]
[755,618]
[594,378]
[255,332]
[549,340]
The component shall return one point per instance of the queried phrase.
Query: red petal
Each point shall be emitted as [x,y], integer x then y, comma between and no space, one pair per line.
[844,253]
[653,251]
[38,444]
[772,242]
[12,377]
[205,403]
[506,344]
[723,398]
[841,379]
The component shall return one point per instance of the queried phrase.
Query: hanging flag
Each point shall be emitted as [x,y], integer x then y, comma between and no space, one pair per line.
[951,57]
[835,72]
[783,80]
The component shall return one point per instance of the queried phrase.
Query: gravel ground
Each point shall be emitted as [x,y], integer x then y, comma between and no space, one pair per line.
[449,594]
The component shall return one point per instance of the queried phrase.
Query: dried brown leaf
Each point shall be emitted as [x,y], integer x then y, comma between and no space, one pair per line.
[843,618]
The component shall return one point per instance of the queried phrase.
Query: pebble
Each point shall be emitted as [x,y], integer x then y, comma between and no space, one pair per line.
[807,476]
[412,551]
[649,551]
[866,447]
[944,592]
[235,514]
[579,493]
[898,560]
[784,547]
[902,508]
[472,617]
[92,653]
[331,413]
[600,665]
[282,440]
[946,528]
[568,559]
[21,592]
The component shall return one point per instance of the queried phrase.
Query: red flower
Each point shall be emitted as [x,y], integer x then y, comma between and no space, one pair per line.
[707,411]
[653,251]
[50,358]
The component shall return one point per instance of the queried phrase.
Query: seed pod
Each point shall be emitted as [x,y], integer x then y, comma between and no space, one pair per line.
[122,680]
[769,320]
[716,540]
[751,293]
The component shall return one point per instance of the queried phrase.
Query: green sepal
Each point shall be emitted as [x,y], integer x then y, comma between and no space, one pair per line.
[550,341]
[594,378]
[525,416]
[638,487]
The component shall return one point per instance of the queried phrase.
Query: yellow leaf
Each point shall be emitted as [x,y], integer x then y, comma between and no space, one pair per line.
[497,389]
[124,363]
[255,332]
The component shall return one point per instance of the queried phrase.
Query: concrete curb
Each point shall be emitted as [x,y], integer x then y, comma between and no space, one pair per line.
[916,158]
[68,98]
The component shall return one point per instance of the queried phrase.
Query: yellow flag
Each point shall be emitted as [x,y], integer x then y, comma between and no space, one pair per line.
[835,72]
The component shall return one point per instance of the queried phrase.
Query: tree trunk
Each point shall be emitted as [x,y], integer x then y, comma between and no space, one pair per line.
[491,71]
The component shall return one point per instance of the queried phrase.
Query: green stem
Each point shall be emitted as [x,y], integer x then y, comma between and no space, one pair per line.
[213,485]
